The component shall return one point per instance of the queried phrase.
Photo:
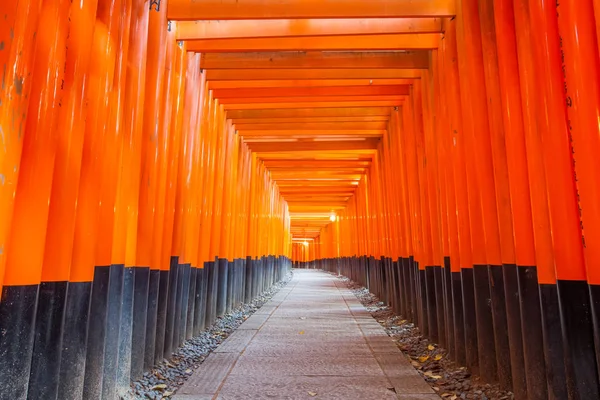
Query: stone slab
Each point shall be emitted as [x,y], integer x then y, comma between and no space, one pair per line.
[236,342]
[300,387]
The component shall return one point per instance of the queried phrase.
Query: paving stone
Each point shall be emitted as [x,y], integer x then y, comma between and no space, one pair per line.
[298,387]
[236,342]
[207,379]
[254,322]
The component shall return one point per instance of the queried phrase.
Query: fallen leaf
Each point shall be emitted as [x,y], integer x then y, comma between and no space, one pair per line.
[430,347]
[161,386]
[188,371]
[403,321]
[438,357]
[167,394]
[415,364]
[436,377]
[301,332]
[453,397]
[437,389]
[446,394]
[423,358]
[428,373]
[312,394]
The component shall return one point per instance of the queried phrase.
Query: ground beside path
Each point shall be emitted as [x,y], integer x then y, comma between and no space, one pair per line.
[312,340]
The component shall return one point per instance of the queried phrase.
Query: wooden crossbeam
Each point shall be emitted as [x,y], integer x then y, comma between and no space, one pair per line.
[294,9]
[190,30]
[311,74]
[418,59]
[409,41]
[387,90]
[311,112]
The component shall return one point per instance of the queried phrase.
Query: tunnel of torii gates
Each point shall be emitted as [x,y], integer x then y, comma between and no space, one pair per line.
[162,162]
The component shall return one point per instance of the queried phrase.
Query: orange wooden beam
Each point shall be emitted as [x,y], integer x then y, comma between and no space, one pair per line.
[388,90]
[296,146]
[418,59]
[255,136]
[307,83]
[294,9]
[311,74]
[396,99]
[249,123]
[322,104]
[311,112]
[333,126]
[190,30]
[408,41]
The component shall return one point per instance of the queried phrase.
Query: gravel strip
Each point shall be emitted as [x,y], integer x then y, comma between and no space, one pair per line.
[449,380]
[164,379]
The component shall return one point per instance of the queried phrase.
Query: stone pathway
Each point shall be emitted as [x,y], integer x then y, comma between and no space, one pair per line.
[312,340]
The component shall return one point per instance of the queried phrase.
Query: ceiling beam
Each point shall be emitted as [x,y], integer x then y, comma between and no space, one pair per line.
[306,83]
[311,112]
[294,9]
[256,136]
[374,120]
[333,126]
[408,41]
[228,29]
[297,146]
[322,104]
[388,90]
[294,59]
[396,99]
[311,74]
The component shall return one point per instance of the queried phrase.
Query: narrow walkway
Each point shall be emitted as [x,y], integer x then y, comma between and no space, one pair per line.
[312,340]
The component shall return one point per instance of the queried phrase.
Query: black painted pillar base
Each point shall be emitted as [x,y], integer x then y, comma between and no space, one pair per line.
[230,286]
[161,315]
[126,331]
[140,312]
[485,327]
[211,293]
[459,355]
[449,305]
[500,324]
[431,303]
[200,301]
[515,335]
[553,342]
[578,339]
[151,318]
[94,363]
[470,320]
[531,327]
[223,266]
[190,287]
[249,279]
[184,286]
[45,361]
[438,279]
[171,307]
[74,340]
[113,327]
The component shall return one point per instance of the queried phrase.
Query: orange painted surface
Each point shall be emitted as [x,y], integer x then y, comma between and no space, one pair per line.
[582,85]
[264,9]
[71,126]
[40,136]
[14,95]
[556,147]
[189,30]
